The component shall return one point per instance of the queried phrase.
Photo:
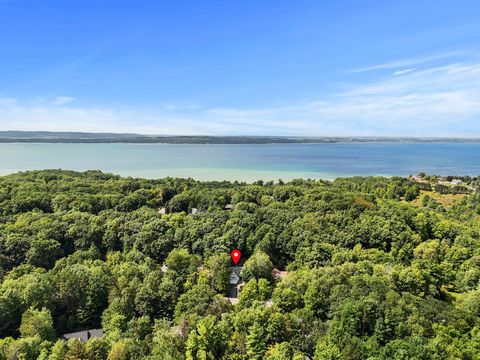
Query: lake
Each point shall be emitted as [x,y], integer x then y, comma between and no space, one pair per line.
[247,162]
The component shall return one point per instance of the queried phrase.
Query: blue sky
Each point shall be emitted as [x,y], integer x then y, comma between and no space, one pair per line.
[404,68]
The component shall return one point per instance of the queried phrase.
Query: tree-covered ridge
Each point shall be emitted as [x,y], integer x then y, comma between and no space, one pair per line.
[374,271]
[105,138]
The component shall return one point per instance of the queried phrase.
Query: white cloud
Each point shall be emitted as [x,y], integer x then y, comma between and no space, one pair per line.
[7,102]
[437,101]
[417,60]
[411,61]
[402,72]
[62,100]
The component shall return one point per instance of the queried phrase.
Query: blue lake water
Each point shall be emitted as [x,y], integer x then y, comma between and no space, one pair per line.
[247,162]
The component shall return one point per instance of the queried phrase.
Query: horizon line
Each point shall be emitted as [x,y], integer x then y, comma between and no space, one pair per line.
[246,135]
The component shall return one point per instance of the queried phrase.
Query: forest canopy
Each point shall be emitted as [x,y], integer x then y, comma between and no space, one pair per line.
[373,268]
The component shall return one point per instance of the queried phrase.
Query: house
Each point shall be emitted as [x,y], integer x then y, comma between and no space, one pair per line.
[162,211]
[85,335]
[228,207]
[194,211]
[456,182]
[235,286]
[445,183]
[419,179]
[234,278]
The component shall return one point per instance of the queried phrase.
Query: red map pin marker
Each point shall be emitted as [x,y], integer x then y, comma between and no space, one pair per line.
[236,255]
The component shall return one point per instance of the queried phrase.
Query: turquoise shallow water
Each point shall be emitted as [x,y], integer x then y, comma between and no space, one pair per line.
[247,162]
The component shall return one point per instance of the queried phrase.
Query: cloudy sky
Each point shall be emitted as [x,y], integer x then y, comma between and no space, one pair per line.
[241,67]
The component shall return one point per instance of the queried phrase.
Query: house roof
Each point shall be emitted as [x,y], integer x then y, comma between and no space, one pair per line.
[84,335]
[234,278]
[235,272]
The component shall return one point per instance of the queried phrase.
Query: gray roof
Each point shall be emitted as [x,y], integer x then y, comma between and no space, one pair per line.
[84,335]
[235,272]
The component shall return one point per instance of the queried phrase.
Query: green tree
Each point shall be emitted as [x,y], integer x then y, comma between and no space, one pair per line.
[182,262]
[257,266]
[325,351]
[44,253]
[256,341]
[97,349]
[283,351]
[219,271]
[206,341]
[166,343]
[253,291]
[37,323]
[195,301]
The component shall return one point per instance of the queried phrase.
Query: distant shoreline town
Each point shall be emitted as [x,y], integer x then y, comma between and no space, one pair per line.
[85,137]
[447,184]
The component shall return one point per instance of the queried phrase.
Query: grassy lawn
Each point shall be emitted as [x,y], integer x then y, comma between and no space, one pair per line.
[446,200]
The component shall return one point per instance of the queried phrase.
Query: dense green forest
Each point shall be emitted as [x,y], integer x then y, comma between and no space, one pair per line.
[376,269]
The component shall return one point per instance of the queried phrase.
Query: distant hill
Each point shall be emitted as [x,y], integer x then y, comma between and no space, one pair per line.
[84,137]
[11,134]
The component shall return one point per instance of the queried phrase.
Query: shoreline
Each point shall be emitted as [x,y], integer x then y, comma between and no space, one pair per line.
[89,142]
